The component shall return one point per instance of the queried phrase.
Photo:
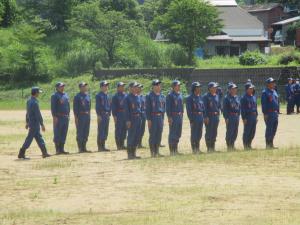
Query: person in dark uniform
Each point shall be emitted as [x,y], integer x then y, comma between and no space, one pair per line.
[155,109]
[34,123]
[270,109]
[103,110]
[143,108]
[133,113]
[220,94]
[60,109]
[195,110]
[297,95]
[249,115]
[290,98]
[231,114]
[174,109]
[118,112]
[82,111]
[211,118]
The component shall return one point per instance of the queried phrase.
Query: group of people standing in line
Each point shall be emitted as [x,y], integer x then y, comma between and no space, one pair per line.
[292,90]
[132,110]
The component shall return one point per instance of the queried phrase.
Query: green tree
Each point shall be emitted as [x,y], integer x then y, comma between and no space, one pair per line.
[189,23]
[106,30]
[8,12]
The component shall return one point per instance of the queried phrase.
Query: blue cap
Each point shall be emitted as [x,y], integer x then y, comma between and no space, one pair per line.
[249,80]
[249,85]
[140,86]
[82,84]
[119,84]
[133,84]
[175,83]
[156,82]
[232,86]
[270,80]
[290,78]
[104,83]
[196,84]
[59,84]
[212,85]
[35,90]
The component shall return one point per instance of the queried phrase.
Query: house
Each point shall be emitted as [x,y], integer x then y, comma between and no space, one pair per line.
[268,14]
[241,31]
[280,29]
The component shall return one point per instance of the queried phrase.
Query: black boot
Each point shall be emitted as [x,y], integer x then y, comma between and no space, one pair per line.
[193,145]
[209,147]
[44,152]
[152,151]
[118,143]
[157,151]
[268,144]
[130,153]
[80,147]
[213,148]
[172,150]
[123,145]
[198,147]
[104,148]
[21,154]
[57,148]
[84,147]
[62,149]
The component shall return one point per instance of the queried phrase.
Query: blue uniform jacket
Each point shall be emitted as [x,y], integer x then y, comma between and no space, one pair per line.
[118,103]
[143,105]
[174,103]
[194,106]
[212,104]
[81,104]
[248,106]
[289,90]
[269,101]
[34,117]
[231,106]
[155,104]
[103,103]
[60,104]
[132,106]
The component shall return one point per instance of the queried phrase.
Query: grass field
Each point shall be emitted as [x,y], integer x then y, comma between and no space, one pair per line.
[260,187]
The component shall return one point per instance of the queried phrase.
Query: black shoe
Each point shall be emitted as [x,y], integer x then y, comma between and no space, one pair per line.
[57,149]
[62,149]
[21,154]
[44,152]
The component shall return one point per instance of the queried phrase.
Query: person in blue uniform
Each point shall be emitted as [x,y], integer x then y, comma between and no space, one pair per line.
[34,123]
[60,109]
[220,94]
[133,113]
[118,112]
[249,115]
[297,95]
[103,110]
[211,117]
[174,109]
[289,95]
[155,110]
[82,111]
[270,109]
[231,114]
[143,108]
[195,110]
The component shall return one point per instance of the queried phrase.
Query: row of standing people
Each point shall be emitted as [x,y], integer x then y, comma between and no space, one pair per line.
[130,112]
[292,90]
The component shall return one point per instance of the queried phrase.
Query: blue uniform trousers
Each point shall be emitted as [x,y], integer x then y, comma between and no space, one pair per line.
[232,129]
[196,129]
[103,126]
[212,129]
[290,104]
[271,126]
[34,132]
[249,129]
[61,129]
[83,127]
[143,126]
[134,131]
[120,127]
[155,132]
[175,130]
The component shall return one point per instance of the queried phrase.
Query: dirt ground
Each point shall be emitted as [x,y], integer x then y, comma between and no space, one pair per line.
[258,187]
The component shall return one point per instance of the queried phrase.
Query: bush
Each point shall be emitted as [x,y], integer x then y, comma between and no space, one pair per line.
[252,58]
[289,58]
[177,55]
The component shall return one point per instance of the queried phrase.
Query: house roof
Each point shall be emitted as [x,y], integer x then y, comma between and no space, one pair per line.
[223,2]
[261,7]
[249,39]
[237,38]
[219,38]
[288,21]
[234,17]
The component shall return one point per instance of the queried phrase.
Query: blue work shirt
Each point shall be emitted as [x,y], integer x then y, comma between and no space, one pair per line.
[34,117]
[194,106]
[81,104]
[143,105]
[60,104]
[269,101]
[248,106]
[174,104]
[155,104]
[231,106]
[103,103]
[289,90]
[212,104]
[118,103]
[132,106]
